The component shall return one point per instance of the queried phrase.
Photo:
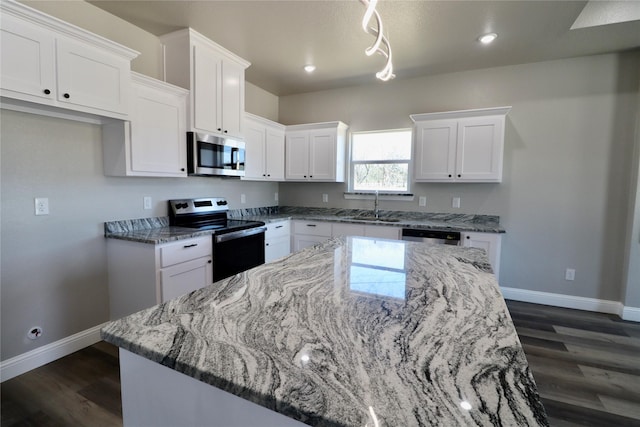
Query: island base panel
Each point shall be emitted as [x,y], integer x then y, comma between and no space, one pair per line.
[154,395]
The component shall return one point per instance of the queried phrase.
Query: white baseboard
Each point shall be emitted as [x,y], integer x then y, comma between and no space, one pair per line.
[42,355]
[569,301]
[631,313]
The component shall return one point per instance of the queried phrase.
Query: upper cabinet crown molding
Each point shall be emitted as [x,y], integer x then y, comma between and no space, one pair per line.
[459,146]
[215,77]
[48,64]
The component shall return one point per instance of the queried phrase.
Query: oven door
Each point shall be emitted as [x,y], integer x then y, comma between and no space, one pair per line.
[213,155]
[237,251]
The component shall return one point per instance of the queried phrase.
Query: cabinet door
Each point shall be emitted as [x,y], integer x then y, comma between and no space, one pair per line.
[322,156]
[206,90]
[480,146]
[347,230]
[274,154]
[232,103]
[89,77]
[186,277]
[297,156]
[382,232]
[277,248]
[490,242]
[158,132]
[302,241]
[254,138]
[435,150]
[26,61]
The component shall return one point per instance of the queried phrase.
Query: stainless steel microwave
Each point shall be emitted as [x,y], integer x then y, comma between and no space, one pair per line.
[214,155]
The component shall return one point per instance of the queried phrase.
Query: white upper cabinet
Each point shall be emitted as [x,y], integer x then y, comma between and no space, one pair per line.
[215,78]
[264,139]
[153,142]
[460,146]
[47,61]
[315,152]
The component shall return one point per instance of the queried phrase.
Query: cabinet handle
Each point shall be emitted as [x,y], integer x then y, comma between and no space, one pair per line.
[181,169]
[47,91]
[190,246]
[67,96]
[219,129]
[310,176]
[305,176]
[459,176]
[311,225]
[449,175]
[266,244]
[268,174]
[279,226]
[468,237]
[209,262]
[225,131]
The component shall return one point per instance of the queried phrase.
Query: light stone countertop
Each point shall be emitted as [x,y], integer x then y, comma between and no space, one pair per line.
[418,334]
[157,230]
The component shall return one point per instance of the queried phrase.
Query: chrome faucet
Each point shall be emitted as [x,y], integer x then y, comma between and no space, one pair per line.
[376,212]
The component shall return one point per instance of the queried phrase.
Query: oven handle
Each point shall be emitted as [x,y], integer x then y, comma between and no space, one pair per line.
[239,234]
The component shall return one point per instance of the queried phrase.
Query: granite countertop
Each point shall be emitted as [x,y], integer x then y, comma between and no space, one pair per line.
[415,334]
[157,230]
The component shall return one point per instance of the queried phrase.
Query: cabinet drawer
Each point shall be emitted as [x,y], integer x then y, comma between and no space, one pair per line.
[185,250]
[278,229]
[312,228]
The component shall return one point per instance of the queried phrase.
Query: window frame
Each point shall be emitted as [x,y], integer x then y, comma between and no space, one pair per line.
[352,163]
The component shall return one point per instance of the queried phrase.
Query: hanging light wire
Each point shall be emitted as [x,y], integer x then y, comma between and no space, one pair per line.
[381,45]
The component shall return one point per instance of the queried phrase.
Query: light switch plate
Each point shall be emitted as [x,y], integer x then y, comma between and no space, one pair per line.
[243,198]
[147,203]
[325,198]
[422,201]
[455,202]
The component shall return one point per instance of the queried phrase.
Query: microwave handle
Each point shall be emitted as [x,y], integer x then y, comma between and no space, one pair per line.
[235,164]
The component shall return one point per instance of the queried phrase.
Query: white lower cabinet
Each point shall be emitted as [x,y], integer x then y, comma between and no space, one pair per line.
[277,240]
[142,275]
[308,233]
[490,242]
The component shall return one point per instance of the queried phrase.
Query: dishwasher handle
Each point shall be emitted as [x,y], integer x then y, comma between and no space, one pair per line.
[449,236]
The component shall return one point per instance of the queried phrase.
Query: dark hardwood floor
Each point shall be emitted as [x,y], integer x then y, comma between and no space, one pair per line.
[586,365]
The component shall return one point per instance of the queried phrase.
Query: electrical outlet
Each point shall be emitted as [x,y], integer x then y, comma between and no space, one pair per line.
[455,202]
[42,206]
[243,199]
[146,202]
[422,201]
[325,198]
[570,274]
[34,333]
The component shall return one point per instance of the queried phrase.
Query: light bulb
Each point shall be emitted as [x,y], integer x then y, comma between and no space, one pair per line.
[487,38]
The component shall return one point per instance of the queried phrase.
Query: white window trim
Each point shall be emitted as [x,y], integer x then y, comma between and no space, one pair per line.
[382,195]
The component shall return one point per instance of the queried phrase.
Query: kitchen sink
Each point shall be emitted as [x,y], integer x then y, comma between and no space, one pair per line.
[372,219]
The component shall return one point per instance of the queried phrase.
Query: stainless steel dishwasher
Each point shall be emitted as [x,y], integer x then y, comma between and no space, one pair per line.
[431,237]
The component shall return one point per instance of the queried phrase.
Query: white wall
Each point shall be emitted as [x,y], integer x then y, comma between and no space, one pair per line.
[564,200]
[54,267]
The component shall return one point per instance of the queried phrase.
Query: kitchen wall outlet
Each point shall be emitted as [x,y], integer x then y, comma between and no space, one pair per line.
[146,202]
[276,197]
[325,198]
[42,206]
[422,201]
[243,198]
[455,202]
[570,274]
[34,333]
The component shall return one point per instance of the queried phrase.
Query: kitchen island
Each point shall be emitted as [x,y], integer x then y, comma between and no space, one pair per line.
[351,332]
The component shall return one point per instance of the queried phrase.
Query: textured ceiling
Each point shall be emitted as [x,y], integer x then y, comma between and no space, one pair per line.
[427,37]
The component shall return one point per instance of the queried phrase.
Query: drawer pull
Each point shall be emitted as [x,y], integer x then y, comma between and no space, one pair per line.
[190,246]
[279,226]
[311,225]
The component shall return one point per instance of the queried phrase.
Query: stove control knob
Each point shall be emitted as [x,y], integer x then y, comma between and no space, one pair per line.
[222,202]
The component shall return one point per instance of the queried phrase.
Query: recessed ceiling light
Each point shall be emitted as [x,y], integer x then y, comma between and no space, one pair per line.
[309,68]
[487,38]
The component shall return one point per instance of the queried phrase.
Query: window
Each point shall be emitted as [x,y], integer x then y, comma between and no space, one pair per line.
[380,160]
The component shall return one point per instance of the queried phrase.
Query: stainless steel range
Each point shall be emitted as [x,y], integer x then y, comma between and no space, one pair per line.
[237,245]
